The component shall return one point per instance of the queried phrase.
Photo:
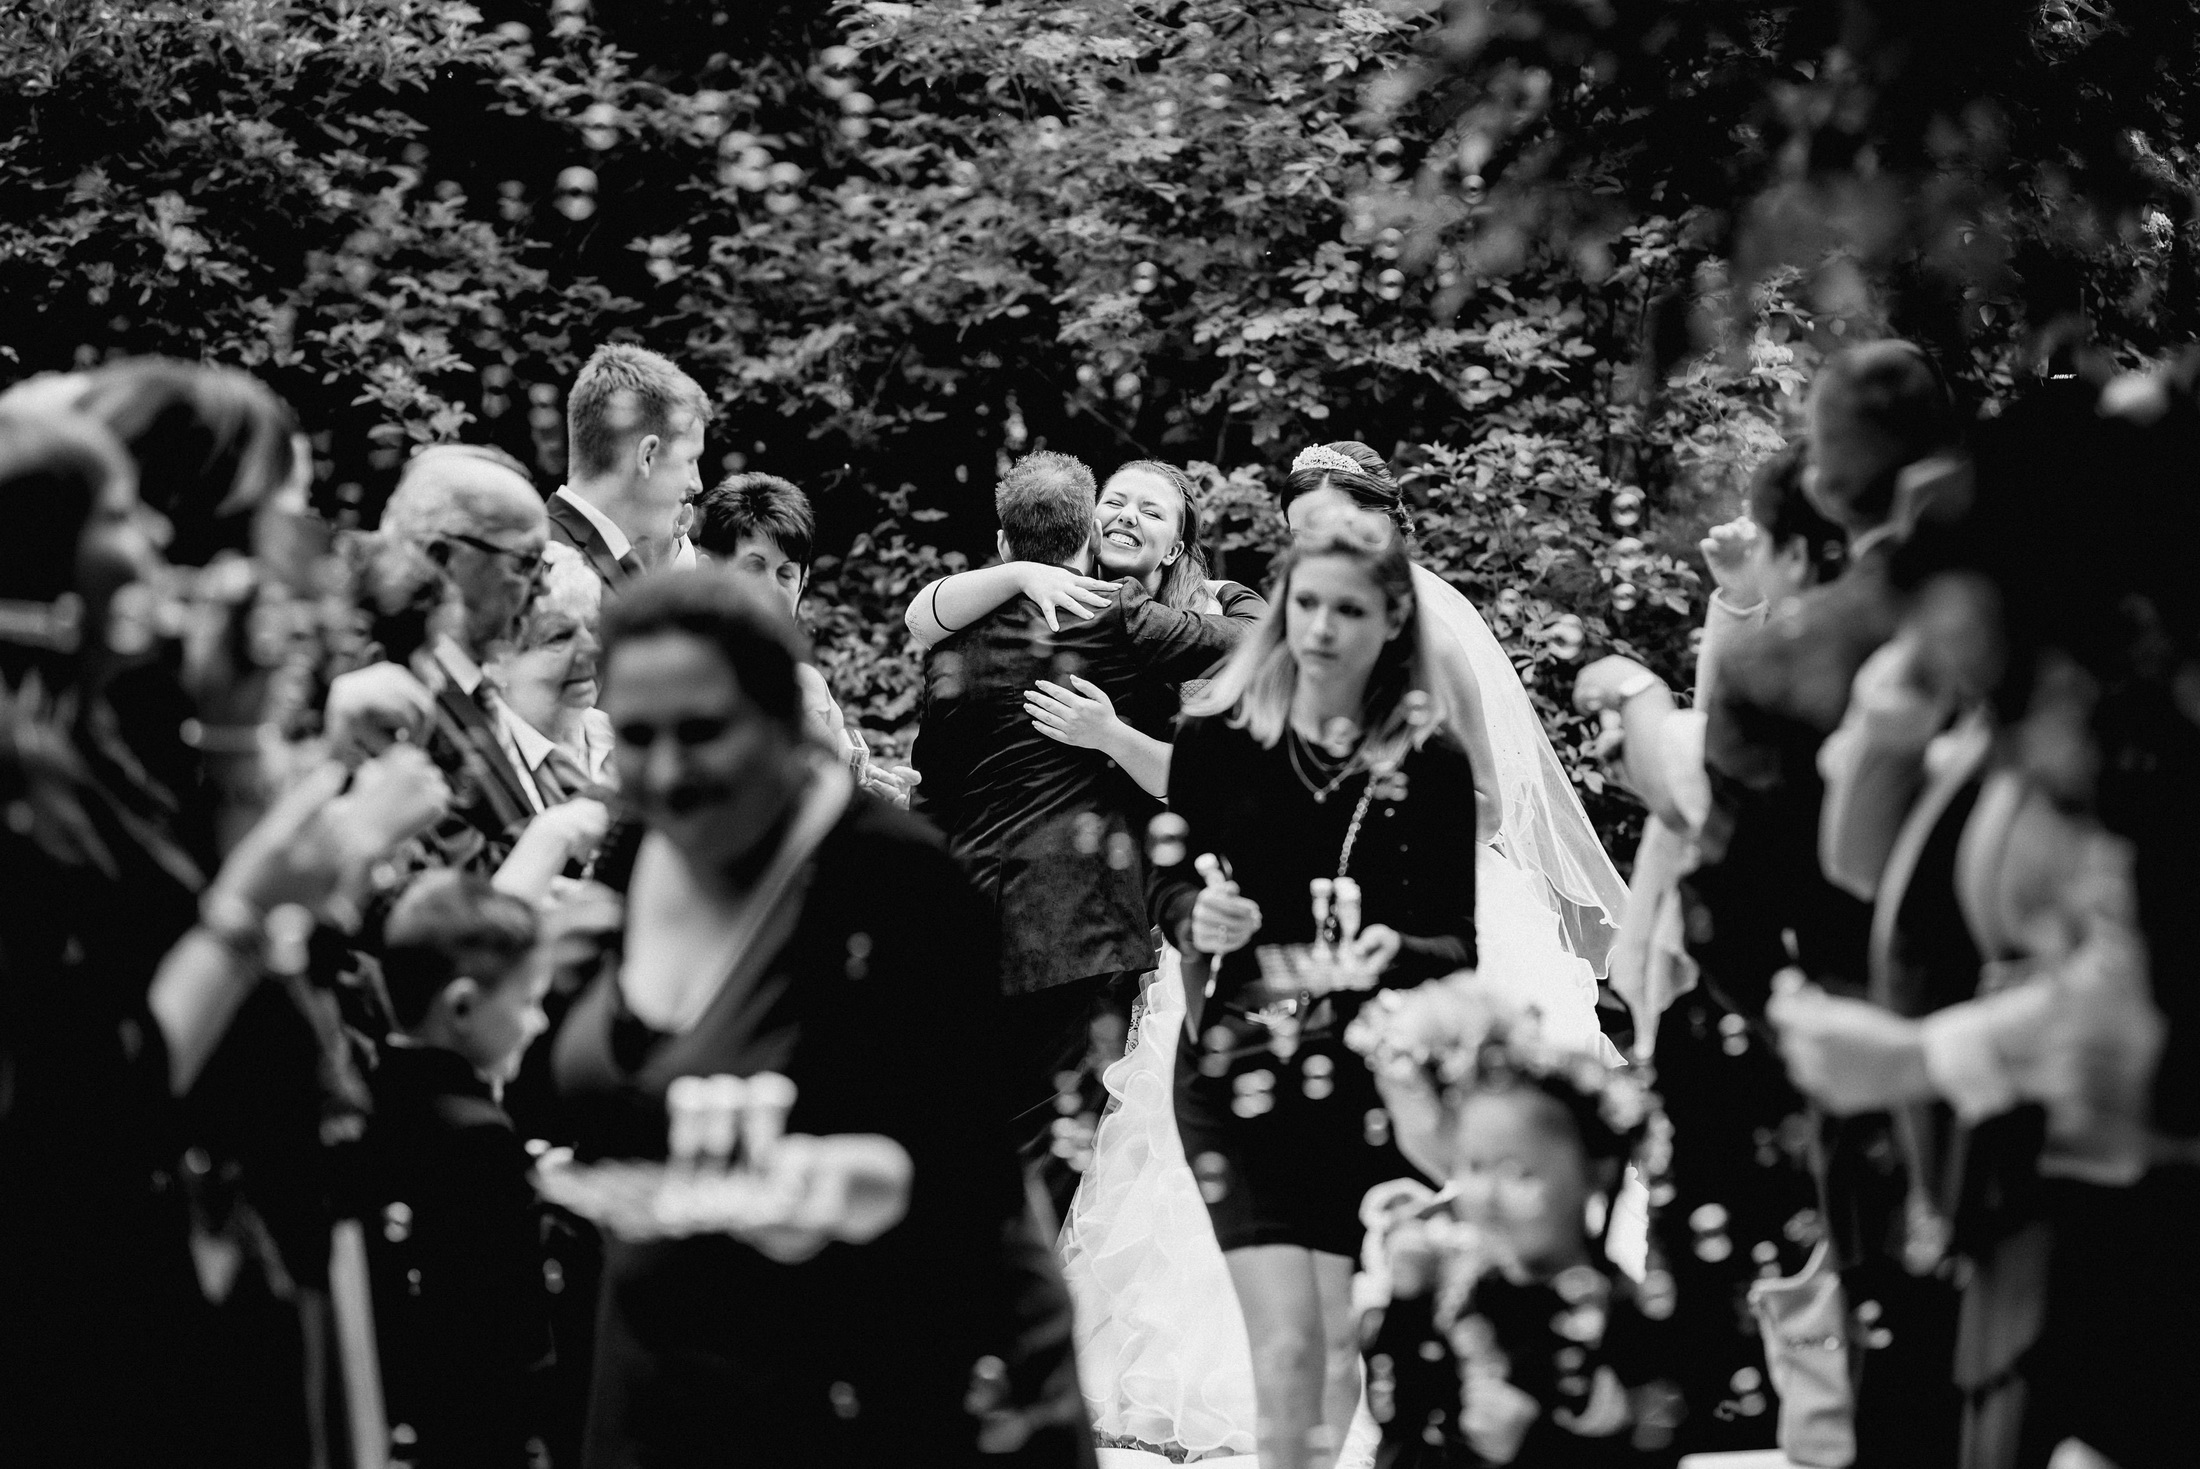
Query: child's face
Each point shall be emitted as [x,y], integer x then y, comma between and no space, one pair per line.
[495,1033]
[1522,1177]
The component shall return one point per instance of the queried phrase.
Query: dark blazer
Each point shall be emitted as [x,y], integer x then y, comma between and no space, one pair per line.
[573,528]
[461,1312]
[1048,831]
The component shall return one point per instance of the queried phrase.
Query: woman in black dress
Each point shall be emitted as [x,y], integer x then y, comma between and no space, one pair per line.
[867,981]
[1327,748]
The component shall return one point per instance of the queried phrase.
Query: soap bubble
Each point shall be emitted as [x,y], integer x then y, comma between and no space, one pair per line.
[1050,133]
[1420,709]
[1626,507]
[1391,284]
[1165,838]
[1145,277]
[1566,637]
[1122,851]
[1388,243]
[1339,735]
[1214,90]
[1624,596]
[1127,385]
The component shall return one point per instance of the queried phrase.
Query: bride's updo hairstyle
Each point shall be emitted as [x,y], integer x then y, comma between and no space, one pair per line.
[1352,469]
[1255,686]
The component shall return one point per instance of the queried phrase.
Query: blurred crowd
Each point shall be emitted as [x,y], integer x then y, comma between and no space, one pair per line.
[318,847]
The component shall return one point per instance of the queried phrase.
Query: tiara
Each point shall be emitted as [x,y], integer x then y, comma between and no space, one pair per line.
[1326,459]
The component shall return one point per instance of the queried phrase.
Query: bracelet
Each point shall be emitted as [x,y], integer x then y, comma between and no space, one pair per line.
[233,921]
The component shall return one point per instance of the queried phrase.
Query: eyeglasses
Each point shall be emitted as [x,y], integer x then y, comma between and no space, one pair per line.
[528,563]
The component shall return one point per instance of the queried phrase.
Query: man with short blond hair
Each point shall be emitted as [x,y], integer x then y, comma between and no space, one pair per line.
[634,434]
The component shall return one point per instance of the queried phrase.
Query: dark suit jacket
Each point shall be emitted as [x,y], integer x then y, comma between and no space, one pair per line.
[461,1313]
[573,528]
[1050,832]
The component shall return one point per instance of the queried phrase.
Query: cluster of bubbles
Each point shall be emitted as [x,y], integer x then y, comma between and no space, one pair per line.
[835,82]
[496,382]
[1089,836]
[746,164]
[1626,508]
[547,425]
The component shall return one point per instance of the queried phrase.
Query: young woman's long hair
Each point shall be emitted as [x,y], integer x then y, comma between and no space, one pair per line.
[1183,584]
[1255,687]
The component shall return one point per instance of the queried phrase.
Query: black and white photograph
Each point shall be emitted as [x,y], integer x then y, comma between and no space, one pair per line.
[1099,734]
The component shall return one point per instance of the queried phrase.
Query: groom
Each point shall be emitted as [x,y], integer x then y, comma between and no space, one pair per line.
[1049,830]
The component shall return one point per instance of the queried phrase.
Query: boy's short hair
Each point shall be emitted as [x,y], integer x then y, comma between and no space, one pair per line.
[449,924]
[760,505]
[1045,506]
[623,392]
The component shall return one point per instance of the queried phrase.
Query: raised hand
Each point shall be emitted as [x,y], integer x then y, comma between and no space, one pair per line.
[1847,1055]
[371,708]
[1062,593]
[1080,715]
[1731,551]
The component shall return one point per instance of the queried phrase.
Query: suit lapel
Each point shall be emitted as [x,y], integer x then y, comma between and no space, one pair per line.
[582,537]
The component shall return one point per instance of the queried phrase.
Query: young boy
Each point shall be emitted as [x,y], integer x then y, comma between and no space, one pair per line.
[461,1314]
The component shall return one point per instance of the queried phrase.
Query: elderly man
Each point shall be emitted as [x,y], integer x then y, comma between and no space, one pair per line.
[474,513]
[634,429]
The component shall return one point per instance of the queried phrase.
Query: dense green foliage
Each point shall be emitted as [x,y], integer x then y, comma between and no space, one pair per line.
[903,243]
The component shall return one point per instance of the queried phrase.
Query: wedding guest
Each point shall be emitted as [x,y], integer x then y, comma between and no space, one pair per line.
[461,1317]
[1323,749]
[1883,436]
[548,680]
[762,529]
[126,954]
[634,433]
[475,515]
[1740,1163]
[1049,832]
[780,920]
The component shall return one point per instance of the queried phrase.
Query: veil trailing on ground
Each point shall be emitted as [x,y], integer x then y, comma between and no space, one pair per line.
[1545,833]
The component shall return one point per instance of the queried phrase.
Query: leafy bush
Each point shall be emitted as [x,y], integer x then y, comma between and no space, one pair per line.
[903,243]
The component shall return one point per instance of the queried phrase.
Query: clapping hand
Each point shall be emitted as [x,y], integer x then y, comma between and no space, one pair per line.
[371,708]
[1062,593]
[313,844]
[1847,1055]
[1731,551]
[1081,715]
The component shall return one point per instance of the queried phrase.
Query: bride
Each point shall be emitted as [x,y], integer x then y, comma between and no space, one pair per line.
[1161,1344]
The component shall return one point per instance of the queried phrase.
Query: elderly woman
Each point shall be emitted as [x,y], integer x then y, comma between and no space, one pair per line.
[549,677]
[781,920]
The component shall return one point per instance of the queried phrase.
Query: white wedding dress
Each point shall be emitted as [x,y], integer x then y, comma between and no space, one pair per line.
[1161,1345]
